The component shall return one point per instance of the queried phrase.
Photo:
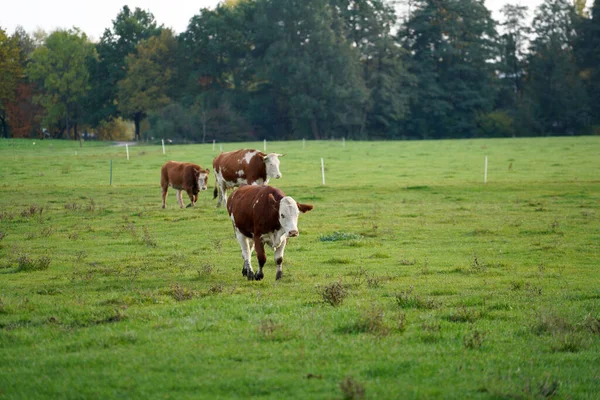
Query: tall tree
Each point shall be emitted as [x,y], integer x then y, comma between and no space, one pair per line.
[60,71]
[309,68]
[513,52]
[369,25]
[553,87]
[149,73]
[588,55]
[451,43]
[11,73]
[128,29]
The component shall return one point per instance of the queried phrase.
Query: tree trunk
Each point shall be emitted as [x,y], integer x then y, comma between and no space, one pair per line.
[137,119]
[77,135]
[4,126]
[67,123]
[315,129]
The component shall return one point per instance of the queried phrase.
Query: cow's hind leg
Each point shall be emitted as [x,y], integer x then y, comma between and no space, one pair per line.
[164,197]
[179,198]
[279,260]
[247,247]
[260,255]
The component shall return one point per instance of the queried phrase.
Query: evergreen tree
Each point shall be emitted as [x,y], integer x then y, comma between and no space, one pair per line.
[451,43]
[554,89]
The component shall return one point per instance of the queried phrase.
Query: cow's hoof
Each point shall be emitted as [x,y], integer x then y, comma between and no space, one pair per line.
[189,205]
[250,275]
[279,275]
[244,271]
[259,276]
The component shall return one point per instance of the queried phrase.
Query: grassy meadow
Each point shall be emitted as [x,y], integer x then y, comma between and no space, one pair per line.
[411,278]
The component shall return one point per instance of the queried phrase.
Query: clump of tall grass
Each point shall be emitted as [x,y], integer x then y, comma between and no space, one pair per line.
[406,299]
[26,263]
[351,389]
[334,293]
[339,236]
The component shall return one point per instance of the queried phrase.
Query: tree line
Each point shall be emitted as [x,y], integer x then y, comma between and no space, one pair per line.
[291,69]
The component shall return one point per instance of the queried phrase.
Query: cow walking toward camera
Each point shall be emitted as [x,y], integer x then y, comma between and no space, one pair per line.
[263,215]
[183,176]
[235,168]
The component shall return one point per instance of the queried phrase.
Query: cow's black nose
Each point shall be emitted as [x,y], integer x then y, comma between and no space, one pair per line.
[293,233]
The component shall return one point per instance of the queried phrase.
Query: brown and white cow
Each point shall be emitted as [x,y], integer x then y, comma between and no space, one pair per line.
[247,166]
[183,176]
[263,215]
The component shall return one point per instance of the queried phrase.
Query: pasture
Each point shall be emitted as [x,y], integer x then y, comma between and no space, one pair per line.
[411,278]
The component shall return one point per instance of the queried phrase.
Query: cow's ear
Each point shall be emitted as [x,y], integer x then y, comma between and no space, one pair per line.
[273,203]
[196,172]
[304,207]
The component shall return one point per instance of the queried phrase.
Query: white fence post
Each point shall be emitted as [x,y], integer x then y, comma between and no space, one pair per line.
[127,150]
[163,145]
[323,171]
[213,144]
[485,170]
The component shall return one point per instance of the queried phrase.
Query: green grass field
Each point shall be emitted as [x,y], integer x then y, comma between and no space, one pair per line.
[411,278]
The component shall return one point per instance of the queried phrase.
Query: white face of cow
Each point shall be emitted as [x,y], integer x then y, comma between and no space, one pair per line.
[202,181]
[272,164]
[288,216]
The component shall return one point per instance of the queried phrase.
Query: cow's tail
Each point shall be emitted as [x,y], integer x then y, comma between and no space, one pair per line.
[215,193]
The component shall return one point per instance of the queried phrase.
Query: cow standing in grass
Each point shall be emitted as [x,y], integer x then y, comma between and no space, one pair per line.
[235,168]
[263,215]
[183,176]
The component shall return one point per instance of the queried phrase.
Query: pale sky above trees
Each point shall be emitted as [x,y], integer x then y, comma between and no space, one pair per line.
[93,17]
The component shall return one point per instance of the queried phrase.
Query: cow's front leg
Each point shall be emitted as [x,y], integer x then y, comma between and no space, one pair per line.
[179,198]
[260,255]
[279,259]
[247,247]
[192,198]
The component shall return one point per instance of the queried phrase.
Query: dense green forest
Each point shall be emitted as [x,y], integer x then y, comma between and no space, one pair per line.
[317,69]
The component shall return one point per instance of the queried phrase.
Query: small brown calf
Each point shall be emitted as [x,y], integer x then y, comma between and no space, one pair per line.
[183,176]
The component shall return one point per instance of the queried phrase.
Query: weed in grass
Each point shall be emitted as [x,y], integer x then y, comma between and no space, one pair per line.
[373,281]
[206,270]
[473,339]
[339,236]
[334,293]
[49,292]
[149,239]
[407,262]
[552,323]
[65,169]
[268,328]
[180,293]
[591,324]
[548,388]
[2,235]
[26,264]
[72,206]
[80,256]
[568,342]
[371,321]
[477,265]
[46,231]
[5,216]
[351,389]
[92,206]
[464,314]
[216,288]
[406,299]
[32,211]
[73,235]
[516,285]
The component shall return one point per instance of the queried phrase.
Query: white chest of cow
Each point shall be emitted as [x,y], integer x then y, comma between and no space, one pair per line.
[274,239]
